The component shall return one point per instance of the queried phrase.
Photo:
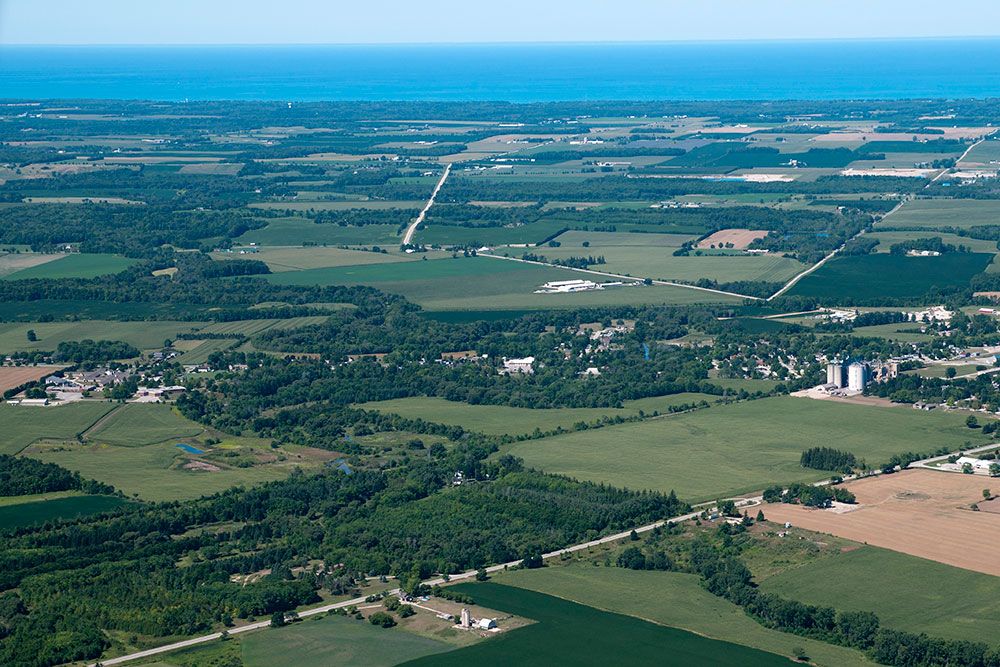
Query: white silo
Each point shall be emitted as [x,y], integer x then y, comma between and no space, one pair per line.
[835,374]
[857,376]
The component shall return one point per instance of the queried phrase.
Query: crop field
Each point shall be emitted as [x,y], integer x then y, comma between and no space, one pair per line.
[136,424]
[67,507]
[200,353]
[738,448]
[740,238]
[501,419]
[76,265]
[862,277]
[298,230]
[941,600]
[336,640]
[558,635]
[296,322]
[321,205]
[145,335]
[486,284]
[983,154]
[933,213]
[15,376]
[241,327]
[923,513]
[576,239]
[15,262]
[23,425]
[659,262]
[887,239]
[535,232]
[295,258]
[673,599]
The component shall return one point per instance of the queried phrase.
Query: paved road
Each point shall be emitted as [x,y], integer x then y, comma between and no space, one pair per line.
[791,283]
[964,155]
[412,229]
[620,276]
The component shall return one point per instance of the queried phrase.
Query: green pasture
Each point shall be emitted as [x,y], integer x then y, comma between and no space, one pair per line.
[934,213]
[501,419]
[673,599]
[481,283]
[907,593]
[300,230]
[145,335]
[76,265]
[22,425]
[738,448]
[568,633]
[859,278]
[136,424]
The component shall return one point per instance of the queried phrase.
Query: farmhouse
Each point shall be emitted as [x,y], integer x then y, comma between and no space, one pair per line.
[565,286]
[525,365]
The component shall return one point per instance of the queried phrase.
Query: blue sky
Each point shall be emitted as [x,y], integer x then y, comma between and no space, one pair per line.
[409,21]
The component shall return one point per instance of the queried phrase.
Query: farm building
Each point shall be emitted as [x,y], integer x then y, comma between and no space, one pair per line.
[525,365]
[566,286]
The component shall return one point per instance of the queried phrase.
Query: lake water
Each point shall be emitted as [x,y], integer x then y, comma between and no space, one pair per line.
[887,69]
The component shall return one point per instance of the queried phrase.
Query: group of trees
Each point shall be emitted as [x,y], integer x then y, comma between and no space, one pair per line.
[827,458]
[25,476]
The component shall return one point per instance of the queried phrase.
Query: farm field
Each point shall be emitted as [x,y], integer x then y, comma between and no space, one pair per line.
[673,599]
[295,258]
[576,239]
[932,213]
[858,278]
[557,637]
[200,353]
[536,232]
[660,262]
[23,425]
[486,284]
[12,377]
[930,597]
[298,230]
[501,419]
[14,262]
[67,507]
[136,424]
[983,154]
[76,265]
[337,205]
[145,335]
[737,448]
[903,332]
[336,640]
[923,513]
[887,239]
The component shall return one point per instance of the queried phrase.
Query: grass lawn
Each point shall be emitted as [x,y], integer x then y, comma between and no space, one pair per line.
[739,447]
[22,425]
[298,230]
[674,599]
[67,507]
[906,592]
[482,283]
[143,335]
[941,370]
[567,633]
[856,278]
[932,213]
[152,472]
[137,424]
[76,265]
[335,640]
[501,419]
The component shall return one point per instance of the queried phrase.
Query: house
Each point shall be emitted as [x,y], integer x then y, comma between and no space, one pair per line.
[511,366]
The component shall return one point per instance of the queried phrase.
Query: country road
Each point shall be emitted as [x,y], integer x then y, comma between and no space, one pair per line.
[412,229]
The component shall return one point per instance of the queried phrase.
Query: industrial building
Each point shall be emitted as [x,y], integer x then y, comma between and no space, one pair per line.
[855,375]
[566,286]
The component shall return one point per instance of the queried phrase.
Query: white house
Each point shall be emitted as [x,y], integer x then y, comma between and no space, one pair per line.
[525,365]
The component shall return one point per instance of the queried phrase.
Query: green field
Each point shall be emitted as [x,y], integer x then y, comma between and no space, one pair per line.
[906,592]
[76,265]
[887,239]
[22,425]
[136,424]
[296,258]
[857,278]
[673,599]
[535,232]
[740,447]
[984,153]
[659,262]
[152,472]
[145,335]
[321,205]
[297,230]
[201,353]
[501,419]
[486,284]
[336,640]
[241,327]
[567,633]
[933,213]
[576,239]
[902,332]
[69,507]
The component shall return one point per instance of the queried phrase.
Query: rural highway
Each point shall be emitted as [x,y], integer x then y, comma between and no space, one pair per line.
[619,276]
[791,283]
[412,229]
[958,161]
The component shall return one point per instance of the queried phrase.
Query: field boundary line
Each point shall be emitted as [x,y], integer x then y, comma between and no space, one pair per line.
[82,435]
[654,281]
[412,229]
[791,283]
